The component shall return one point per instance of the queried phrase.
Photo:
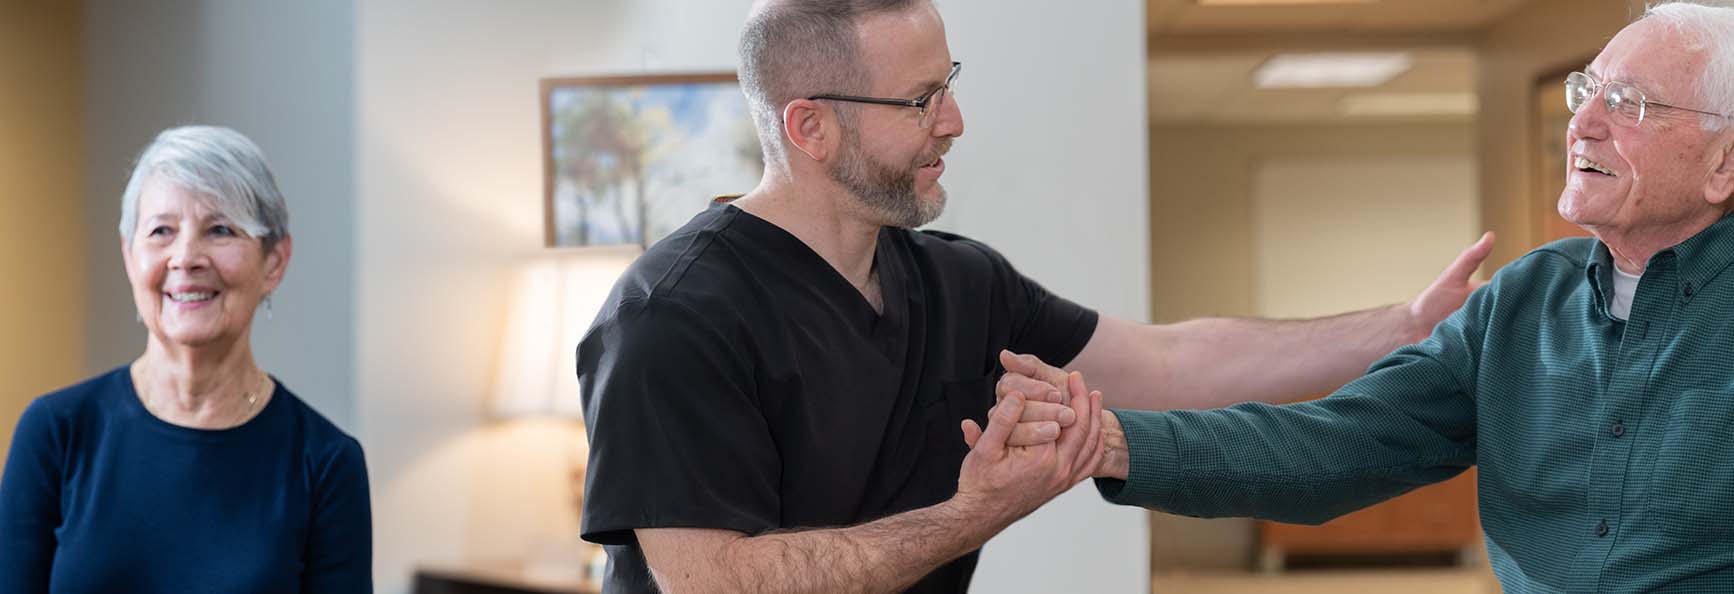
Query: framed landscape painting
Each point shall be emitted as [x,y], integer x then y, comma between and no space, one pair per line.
[629,159]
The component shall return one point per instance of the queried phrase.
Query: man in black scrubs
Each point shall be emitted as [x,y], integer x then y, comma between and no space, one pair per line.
[774,393]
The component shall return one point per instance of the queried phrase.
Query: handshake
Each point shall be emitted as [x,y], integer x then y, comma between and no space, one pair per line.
[1047,433]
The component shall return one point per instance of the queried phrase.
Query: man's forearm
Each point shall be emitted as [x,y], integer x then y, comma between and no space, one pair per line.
[1212,363]
[884,556]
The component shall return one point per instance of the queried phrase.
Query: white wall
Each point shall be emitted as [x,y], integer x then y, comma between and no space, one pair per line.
[279,72]
[450,200]
[1051,171]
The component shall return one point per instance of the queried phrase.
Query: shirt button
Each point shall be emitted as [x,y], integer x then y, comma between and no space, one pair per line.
[1688,290]
[1602,528]
[1619,429]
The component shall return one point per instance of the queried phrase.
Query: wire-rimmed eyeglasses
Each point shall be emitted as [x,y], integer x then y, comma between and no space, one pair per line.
[928,103]
[1625,102]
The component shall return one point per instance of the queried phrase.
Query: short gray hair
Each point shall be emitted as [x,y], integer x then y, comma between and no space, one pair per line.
[1709,28]
[223,166]
[792,49]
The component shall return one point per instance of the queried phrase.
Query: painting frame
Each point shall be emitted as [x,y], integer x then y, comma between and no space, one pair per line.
[622,85]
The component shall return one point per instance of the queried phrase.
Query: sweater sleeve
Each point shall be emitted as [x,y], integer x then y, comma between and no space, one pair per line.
[30,502]
[339,555]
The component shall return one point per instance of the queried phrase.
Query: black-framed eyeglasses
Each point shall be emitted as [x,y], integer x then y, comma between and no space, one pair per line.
[1626,102]
[929,103]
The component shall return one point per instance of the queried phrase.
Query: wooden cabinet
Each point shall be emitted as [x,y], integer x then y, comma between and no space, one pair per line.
[1438,518]
[502,577]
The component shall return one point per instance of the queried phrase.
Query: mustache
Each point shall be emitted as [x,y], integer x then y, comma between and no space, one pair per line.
[939,150]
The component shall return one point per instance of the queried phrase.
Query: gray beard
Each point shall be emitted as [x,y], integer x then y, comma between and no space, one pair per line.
[884,190]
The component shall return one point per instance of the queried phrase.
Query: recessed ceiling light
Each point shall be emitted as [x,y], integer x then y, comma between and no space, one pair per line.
[1279,2]
[1326,70]
[1409,104]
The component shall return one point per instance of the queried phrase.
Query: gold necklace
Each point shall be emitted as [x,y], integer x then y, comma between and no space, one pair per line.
[250,395]
[252,400]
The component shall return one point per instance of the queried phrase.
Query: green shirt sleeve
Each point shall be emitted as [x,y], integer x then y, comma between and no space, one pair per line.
[1409,422]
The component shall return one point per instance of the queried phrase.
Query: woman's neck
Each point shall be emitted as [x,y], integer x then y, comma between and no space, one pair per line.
[200,387]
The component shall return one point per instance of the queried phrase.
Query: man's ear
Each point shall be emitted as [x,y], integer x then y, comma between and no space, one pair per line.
[810,127]
[1719,187]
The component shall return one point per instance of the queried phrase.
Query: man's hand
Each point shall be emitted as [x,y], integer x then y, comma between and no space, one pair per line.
[1041,423]
[1047,407]
[1007,482]
[1028,375]
[1021,377]
[1450,290]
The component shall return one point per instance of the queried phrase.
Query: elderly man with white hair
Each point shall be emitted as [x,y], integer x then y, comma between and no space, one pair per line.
[1590,381]
[190,469]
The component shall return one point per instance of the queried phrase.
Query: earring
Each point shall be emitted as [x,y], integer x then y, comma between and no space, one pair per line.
[268,315]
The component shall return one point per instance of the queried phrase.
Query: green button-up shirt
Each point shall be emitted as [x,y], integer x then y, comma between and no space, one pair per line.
[1605,447]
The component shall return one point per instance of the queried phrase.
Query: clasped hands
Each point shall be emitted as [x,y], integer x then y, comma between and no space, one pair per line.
[1047,433]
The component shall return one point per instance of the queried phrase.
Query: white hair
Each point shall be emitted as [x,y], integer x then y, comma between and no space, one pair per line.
[1709,27]
[222,166]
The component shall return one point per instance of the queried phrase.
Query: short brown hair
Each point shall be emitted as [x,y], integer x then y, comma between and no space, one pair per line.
[791,49]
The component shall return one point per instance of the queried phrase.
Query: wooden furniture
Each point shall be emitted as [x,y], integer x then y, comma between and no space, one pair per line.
[504,577]
[1439,518]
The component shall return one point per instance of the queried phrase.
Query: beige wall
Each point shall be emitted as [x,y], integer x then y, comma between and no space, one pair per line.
[41,165]
[1335,234]
[1205,249]
[1202,183]
[1543,37]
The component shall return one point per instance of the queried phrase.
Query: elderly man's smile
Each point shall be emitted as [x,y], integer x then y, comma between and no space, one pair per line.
[1584,165]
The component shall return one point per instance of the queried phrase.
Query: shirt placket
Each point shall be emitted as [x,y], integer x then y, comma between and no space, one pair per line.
[1621,421]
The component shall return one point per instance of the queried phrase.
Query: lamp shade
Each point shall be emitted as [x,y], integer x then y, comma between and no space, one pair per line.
[555,296]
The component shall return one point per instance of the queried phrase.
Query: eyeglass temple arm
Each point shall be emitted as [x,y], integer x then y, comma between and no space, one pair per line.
[1720,115]
[875,100]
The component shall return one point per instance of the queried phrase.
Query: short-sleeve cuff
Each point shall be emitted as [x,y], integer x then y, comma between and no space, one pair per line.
[1081,333]
[1153,469]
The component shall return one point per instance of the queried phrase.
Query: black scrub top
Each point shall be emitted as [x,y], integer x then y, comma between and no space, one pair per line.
[735,380]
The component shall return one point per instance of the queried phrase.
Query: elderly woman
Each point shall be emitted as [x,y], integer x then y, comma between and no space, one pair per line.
[189,470]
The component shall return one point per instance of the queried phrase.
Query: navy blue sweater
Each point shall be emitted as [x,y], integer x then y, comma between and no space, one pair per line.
[100,496]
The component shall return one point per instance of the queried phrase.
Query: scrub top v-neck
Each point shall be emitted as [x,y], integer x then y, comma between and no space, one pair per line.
[735,380]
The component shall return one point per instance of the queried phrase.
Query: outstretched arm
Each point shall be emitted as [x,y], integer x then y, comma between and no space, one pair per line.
[1211,363]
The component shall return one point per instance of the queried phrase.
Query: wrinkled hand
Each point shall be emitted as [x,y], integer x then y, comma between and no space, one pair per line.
[1040,423]
[1450,290]
[1047,407]
[1059,389]
[1028,375]
[1008,482]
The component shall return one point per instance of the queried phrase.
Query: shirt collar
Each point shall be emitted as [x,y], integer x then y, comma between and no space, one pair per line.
[1706,254]
[1699,259]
